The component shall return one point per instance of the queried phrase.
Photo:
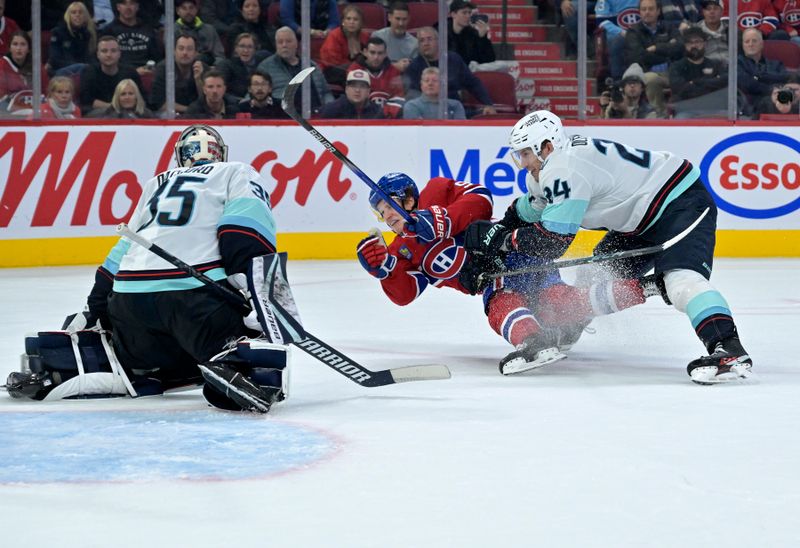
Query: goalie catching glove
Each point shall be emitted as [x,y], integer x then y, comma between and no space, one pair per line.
[374,255]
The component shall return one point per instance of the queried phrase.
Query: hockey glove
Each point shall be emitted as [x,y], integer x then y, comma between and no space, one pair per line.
[374,255]
[430,224]
[475,275]
[82,321]
[487,239]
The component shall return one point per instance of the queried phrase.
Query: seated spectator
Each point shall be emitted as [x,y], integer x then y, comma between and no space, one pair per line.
[259,104]
[7,27]
[355,103]
[459,76]
[72,42]
[401,47]
[99,80]
[59,104]
[16,66]
[151,12]
[218,14]
[241,65]
[212,103]
[615,18]
[127,103]
[285,65]
[680,13]
[694,78]
[188,70]
[137,41]
[324,16]
[343,45]
[716,31]
[789,18]
[467,38]
[756,74]
[386,82]
[249,20]
[209,46]
[627,100]
[654,45]
[784,99]
[426,106]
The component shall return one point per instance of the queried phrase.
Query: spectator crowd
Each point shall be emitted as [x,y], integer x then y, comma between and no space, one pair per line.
[234,58]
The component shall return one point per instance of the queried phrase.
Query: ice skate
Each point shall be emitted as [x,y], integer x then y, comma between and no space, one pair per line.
[729,362]
[245,393]
[536,351]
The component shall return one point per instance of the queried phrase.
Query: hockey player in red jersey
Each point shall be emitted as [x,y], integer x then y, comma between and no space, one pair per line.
[431,251]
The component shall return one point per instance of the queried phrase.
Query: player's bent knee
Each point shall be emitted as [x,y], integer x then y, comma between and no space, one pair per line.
[684,285]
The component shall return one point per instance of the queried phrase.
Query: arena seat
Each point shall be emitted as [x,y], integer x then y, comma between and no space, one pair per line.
[422,14]
[147,82]
[784,51]
[501,88]
[274,14]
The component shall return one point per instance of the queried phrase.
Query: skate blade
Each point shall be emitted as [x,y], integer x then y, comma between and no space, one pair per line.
[544,357]
[245,400]
[707,376]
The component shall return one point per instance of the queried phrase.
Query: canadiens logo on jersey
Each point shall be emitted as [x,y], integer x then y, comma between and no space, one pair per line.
[749,19]
[444,259]
[628,17]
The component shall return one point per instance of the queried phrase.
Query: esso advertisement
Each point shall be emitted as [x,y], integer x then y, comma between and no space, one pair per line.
[754,175]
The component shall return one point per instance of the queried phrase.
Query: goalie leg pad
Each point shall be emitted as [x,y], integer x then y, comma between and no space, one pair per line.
[64,365]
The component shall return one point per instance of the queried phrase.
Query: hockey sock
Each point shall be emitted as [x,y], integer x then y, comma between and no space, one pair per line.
[511,318]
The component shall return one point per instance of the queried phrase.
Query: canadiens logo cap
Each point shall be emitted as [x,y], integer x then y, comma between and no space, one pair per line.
[358,75]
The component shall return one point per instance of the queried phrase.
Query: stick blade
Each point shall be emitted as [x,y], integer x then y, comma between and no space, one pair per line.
[410,373]
[287,104]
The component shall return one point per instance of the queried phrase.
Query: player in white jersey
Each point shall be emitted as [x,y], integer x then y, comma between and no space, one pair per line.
[217,217]
[641,198]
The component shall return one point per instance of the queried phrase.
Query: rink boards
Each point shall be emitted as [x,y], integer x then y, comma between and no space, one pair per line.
[65,187]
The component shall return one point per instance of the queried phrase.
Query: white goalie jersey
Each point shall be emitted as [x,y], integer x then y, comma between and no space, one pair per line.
[601,184]
[186,211]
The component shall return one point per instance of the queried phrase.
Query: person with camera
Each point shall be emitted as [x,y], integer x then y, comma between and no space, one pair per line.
[784,99]
[698,83]
[758,75]
[626,99]
[468,33]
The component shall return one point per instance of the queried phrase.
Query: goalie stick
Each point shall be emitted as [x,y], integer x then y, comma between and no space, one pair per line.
[310,344]
[564,263]
[288,106]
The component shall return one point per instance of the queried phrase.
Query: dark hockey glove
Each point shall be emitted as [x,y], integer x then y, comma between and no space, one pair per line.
[374,255]
[430,224]
[475,275]
[486,239]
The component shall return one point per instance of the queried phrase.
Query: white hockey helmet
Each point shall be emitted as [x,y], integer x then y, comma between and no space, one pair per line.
[533,130]
[200,144]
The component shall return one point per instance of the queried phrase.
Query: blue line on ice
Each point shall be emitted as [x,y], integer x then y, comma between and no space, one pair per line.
[43,447]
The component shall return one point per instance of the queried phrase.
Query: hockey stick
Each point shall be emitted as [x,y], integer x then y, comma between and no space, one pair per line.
[288,106]
[310,344]
[564,263]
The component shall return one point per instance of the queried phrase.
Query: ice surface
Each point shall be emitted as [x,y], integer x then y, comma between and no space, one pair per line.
[611,447]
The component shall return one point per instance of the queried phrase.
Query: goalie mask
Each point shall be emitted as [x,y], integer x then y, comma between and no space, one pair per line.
[200,144]
[533,130]
[398,186]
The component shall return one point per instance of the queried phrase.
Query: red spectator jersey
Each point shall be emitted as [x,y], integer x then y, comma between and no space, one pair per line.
[437,263]
[12,80]
[789,14]
[335,51]
[755,13]
[7,28]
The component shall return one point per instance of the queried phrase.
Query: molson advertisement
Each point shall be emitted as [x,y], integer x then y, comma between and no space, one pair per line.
[63,189]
